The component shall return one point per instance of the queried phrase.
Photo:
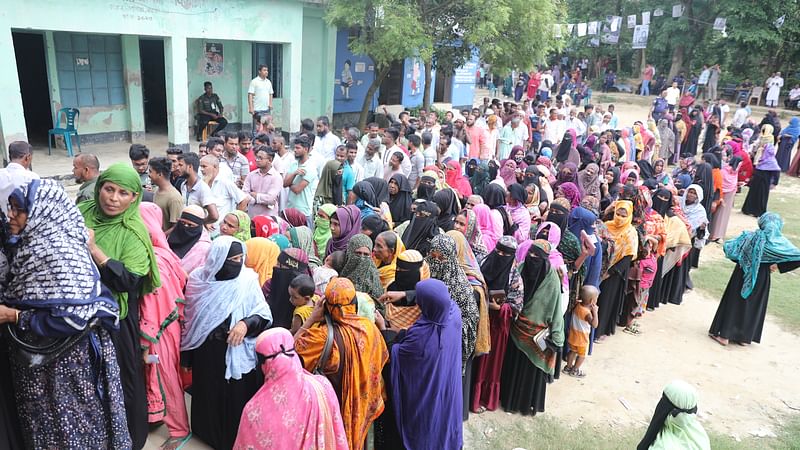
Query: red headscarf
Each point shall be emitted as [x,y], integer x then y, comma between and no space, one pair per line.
[456,180]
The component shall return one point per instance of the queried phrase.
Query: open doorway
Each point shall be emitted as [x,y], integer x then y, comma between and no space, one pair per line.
[154,85]
[391,91]
[443,89]
[34,86]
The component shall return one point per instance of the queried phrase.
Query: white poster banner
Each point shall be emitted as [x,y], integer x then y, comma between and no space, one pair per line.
[570,28]
[640,36]
[646,18]
[593,27]
[719,23]
[658,12]
[677,10]
[632,21]
[616,21]
[581,29]
[557,31]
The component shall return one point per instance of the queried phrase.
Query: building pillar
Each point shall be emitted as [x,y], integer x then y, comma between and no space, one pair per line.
[177,91]
[132,64]
[292,66]
[12,114]
[246,74]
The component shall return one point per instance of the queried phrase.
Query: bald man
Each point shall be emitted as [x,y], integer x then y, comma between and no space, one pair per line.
[86,169]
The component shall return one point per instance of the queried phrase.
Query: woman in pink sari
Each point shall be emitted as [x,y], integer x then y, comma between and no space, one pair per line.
[159,315]
[293,409]
[491,231]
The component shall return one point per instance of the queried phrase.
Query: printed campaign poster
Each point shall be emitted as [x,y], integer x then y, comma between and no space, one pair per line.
[632,21]
[213,58]
[640,36]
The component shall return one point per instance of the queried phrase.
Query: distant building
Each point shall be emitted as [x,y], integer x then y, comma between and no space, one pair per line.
[132,67]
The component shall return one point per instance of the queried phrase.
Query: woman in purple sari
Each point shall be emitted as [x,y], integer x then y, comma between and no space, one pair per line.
[426,369]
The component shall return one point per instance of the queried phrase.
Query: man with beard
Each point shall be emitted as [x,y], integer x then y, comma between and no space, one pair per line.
[235,161]
[228,197]
[246,149]
[326,142]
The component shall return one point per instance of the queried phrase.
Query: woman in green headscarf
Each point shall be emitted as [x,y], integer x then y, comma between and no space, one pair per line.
[322,228]
[121,248]
[302,238]
[236,224]
[674,423]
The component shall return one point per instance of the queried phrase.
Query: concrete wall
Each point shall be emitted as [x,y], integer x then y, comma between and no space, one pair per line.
[182,24]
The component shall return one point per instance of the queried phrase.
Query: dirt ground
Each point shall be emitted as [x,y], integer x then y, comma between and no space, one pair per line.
[744,391]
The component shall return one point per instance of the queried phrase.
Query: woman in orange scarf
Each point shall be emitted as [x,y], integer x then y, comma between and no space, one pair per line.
[356,358]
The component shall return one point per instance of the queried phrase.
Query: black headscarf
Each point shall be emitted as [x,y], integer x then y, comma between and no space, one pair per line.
[448,208]
[493,168]
[183,238]
[494,196]
[406,276]
[278,299]
[422,228]
[645,169]
[518,193]
[664,408]
[231,269]
[704,177]
[713,160]
[400,204]
[375,224]
[366,192]
[564,148]
[426,191]
[534,270]
[662,206]
[381,188]
[559,215]
[496,268]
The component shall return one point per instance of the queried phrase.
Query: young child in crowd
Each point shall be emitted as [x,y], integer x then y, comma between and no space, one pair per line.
[330,268]
[301,294]
[584,318]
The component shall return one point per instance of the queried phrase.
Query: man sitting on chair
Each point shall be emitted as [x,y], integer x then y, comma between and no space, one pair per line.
[209,107]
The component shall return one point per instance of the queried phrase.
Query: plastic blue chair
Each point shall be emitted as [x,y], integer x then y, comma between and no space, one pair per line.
[71,115]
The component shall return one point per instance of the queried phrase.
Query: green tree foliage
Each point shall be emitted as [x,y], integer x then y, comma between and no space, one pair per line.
[389,31]
[752,46]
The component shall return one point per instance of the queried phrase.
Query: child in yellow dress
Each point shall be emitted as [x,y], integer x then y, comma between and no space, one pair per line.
[301,294]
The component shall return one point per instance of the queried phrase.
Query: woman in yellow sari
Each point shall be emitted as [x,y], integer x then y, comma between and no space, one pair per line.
[356,358]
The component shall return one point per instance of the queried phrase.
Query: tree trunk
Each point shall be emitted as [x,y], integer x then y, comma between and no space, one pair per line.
[379,77]
[677,63]
[426,92]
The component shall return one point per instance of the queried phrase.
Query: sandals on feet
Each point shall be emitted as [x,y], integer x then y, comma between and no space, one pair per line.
[567,370]
[633,329]
[719,340]
[578,373]
[170,444]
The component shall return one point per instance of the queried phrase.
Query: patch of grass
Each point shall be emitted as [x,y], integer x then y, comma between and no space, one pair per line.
[712,275]
[545,433]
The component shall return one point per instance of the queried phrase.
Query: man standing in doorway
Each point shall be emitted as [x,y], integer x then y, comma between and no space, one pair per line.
[86,169]
[209,107]
[259,94]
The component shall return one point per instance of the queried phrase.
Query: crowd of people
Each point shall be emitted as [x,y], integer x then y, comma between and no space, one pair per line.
[315,295]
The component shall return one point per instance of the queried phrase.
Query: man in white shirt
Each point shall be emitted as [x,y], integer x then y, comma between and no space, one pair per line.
[741,115]
[352,155]
[371,159]
[216,147]
[673,95]
[724,109]
[428,149]
[326,142]
[554,128]
[259,93]
[17,173]
[702,82]
[575,123]
[432,126]
[228,197]
[794,97]
[390,137]
[373,132]
[546,85]
[195,191]
[614,122]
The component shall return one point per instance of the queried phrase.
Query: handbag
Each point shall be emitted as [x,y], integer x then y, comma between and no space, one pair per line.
[540,338]
[33,351]
[326,350]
